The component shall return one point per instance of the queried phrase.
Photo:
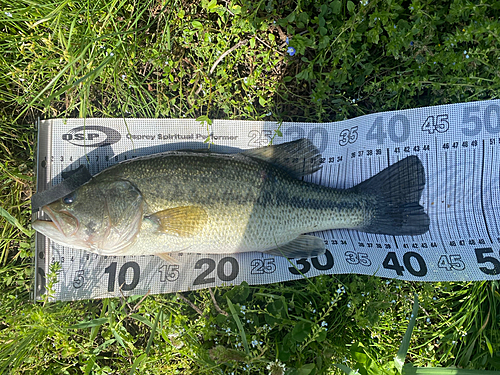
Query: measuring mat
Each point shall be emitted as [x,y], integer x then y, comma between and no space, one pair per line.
[458,144]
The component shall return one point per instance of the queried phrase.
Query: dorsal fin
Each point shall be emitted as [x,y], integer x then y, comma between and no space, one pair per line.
[299,158]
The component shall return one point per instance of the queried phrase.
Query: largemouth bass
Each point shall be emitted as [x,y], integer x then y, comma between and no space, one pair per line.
[196,202]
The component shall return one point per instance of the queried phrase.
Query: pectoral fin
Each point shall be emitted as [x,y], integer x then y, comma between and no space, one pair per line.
[181,221]
[303,246]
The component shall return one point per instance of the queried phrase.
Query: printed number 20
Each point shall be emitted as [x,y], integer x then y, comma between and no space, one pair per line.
[221,273]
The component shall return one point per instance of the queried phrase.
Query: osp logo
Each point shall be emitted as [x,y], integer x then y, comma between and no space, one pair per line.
[92,136]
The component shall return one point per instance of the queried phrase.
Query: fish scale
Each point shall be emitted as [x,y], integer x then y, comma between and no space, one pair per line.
[201,202]
[247,211]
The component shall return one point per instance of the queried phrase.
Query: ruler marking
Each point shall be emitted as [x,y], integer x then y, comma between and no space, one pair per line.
[464,193]
[492,181]
[475,206]
[457,170]
[455,180]
[347,164]
[388,160]
[495,178]
[482,194]
[436,195]
[452,231]
[445,211]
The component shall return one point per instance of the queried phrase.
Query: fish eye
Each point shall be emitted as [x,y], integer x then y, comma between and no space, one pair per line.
[69,199]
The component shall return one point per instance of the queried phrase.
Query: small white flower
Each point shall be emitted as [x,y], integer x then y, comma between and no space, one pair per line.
[8,14]
[276,368]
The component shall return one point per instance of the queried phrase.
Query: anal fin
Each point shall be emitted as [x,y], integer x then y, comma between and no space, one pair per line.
[166,257]
[304,246]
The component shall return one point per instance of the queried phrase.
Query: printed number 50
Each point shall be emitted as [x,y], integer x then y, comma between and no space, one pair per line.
[486,259]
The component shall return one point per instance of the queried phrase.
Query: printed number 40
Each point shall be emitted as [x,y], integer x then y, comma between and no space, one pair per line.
[391,262]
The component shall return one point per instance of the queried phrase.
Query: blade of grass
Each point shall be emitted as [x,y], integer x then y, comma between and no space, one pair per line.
[137,362]
[239,325]
[153,331]
[346,369]
[95,330]
[399,360]
[90,365]
[118,337]
[13,221]
[408,369]
[90,323]
[142,319]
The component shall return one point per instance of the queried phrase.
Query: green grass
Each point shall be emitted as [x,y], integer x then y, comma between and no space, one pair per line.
[161,59]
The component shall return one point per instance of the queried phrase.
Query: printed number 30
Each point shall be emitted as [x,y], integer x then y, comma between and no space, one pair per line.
[306,266]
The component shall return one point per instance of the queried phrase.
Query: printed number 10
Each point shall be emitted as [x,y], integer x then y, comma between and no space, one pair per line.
[122,283]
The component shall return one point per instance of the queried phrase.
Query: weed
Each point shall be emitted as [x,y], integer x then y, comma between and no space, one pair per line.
[267,60]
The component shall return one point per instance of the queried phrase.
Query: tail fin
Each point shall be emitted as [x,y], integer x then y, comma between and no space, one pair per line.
[397,191]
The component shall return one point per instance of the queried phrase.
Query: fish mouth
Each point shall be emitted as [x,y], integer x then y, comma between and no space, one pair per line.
[57,219]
